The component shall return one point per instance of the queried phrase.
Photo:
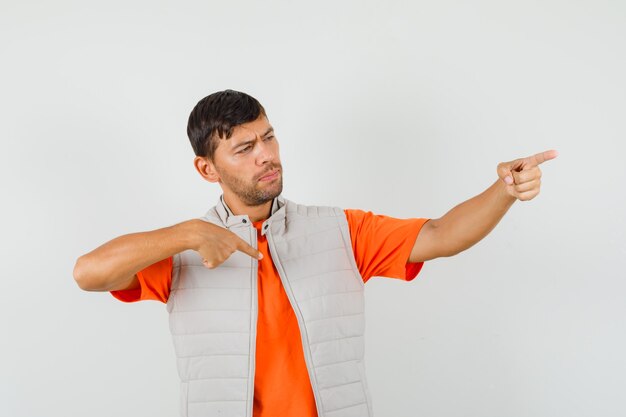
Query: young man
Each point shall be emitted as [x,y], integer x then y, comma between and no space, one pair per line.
[265,295]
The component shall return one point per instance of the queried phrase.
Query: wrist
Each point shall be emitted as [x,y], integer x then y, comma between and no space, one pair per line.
[187,234]
[503,194]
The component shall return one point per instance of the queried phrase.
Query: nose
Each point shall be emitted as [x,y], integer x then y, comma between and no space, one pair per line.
[265,152]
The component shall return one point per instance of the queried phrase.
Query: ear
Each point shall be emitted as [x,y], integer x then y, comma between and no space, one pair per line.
[206,168]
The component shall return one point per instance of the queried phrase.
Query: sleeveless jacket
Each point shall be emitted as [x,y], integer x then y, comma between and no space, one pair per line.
[213,313]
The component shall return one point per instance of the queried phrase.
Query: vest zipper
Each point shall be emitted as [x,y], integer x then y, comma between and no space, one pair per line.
[254,314]
[305,346]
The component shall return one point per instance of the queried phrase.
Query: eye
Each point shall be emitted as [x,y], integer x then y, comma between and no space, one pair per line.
[270,137]
[246,149]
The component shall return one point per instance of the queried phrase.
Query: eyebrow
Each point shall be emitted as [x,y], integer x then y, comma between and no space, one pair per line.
[247,142]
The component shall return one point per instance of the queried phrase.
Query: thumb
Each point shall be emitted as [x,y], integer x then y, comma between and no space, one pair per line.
[505,170]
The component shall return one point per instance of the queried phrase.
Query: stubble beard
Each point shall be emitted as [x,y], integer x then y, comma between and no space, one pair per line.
[249,192]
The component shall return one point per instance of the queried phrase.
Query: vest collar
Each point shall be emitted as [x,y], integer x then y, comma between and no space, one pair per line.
[277,213]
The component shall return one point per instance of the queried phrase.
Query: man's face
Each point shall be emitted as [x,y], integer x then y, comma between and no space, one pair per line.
[248,164]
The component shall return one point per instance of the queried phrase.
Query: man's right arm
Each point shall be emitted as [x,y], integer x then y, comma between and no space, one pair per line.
[114,265]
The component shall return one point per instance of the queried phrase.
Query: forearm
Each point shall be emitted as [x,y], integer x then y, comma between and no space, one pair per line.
[120,258]
[469,222]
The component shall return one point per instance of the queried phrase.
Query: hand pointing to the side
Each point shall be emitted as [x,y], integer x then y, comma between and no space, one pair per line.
[522,177]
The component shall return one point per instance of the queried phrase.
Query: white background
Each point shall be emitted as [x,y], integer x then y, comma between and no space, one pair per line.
[401,108]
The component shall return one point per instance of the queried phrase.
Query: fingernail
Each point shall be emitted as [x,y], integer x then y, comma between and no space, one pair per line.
[508,180]
[260,255]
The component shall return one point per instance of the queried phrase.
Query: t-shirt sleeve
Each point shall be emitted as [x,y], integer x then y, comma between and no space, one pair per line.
[382,244]
[154,283]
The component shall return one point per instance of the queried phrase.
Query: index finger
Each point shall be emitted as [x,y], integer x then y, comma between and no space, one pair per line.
[542,157]
[244,247]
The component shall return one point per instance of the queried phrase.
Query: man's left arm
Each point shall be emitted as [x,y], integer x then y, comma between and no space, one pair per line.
[469,222]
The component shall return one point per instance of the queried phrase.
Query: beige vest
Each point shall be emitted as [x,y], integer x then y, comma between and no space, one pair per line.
[213,313]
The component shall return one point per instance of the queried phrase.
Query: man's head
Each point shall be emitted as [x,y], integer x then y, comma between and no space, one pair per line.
[235,146]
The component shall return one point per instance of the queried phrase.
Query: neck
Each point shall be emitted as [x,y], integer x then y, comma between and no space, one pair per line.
[255,213]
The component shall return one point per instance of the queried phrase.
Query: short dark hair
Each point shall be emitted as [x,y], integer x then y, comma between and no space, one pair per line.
[216,115]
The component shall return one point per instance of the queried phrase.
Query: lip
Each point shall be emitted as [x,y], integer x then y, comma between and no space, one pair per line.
[272,175]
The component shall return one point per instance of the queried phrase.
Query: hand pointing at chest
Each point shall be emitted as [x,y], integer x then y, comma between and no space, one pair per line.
[522,177]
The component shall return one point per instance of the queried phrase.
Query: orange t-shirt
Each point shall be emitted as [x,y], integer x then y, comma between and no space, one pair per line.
[381,246]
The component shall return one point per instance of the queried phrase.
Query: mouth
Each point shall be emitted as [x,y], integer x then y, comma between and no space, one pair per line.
[270,175]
